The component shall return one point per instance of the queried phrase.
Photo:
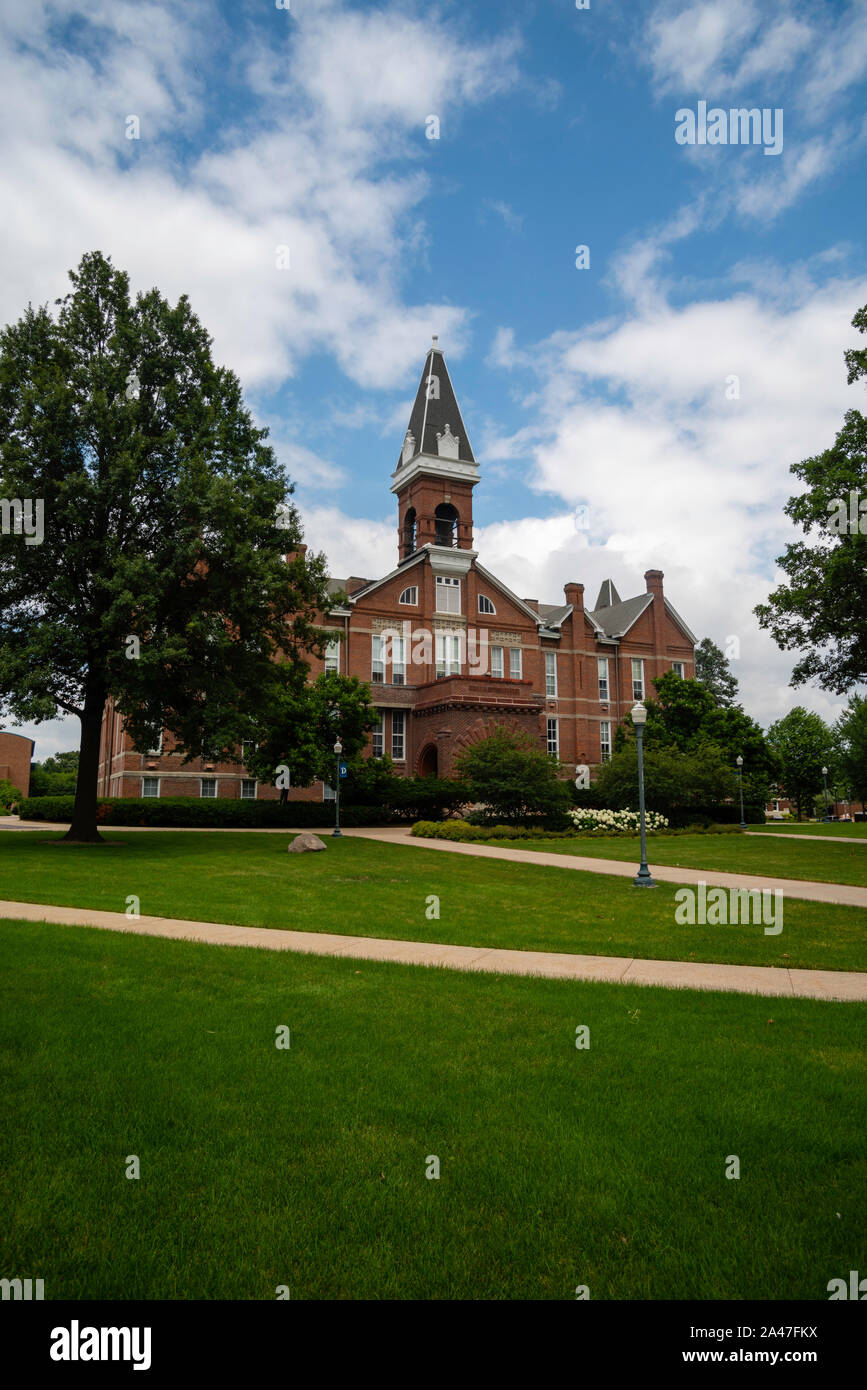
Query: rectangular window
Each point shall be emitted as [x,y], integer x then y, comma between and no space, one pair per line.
[448,654]
[553,738]
[605,740]
[150,786]
[448,594]
[208,787]
[158,747]
[637,679]
[327,792]
[497,662]
[677,668]
[248,789]
[551,675]
[332,659]
[515,668]
[378,737]
[377,665]
[398,661]
[398,723]
[248,748]
[602,668]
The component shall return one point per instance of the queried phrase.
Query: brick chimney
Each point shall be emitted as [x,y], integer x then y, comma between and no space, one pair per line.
[653,579]
[353,583]
[575,595]
[297,554]
[532,603]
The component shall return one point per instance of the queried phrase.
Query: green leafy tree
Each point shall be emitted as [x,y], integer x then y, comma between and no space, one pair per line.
[820,609]
[803,744]
[10,795]
[512,776]
[161,578]
[851,745]
[55,776]
[672,779]
[686,716]
[713,671]
[303,723]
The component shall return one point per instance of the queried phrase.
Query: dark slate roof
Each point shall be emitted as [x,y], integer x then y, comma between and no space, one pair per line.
[617,618]
[608,596]
[552,614]
[440,412]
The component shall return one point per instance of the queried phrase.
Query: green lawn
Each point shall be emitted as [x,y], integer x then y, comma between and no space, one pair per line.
[762,856]
[853,830]
[306,1167]
[363,888]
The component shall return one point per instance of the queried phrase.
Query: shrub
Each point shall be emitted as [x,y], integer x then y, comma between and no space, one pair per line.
[219,812]
[512,777]
[616,822]
[9,794]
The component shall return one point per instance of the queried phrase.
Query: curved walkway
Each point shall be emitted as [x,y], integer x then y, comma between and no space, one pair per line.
[742,979]
[843,893]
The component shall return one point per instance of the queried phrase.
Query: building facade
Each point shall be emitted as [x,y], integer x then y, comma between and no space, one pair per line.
[16,753]
[447,647]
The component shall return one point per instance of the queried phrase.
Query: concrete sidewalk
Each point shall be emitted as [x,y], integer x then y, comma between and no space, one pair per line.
[741,979]
[842,893]
[826,839]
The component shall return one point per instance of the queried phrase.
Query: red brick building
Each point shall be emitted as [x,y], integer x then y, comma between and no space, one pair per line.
[447,647]
[16,753]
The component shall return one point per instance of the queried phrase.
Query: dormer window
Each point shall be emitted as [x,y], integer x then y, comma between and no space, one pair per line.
[408,447]
[409,595]
[485,605]
[447,444]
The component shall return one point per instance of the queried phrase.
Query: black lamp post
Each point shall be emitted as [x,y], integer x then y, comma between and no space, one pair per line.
[740,763]
[338,749]
[826,817]
[639,718]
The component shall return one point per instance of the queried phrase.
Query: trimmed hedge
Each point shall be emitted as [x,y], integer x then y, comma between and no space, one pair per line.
[463,830]
[165,812]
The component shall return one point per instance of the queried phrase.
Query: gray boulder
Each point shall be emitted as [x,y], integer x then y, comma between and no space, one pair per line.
[302,843]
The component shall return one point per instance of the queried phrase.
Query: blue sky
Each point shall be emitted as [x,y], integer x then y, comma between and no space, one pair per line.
[607,387]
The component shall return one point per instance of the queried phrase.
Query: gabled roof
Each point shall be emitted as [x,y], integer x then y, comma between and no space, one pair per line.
[554,614]
[519,602]
[616,619]
[434,408]
[375,583]
[670,608]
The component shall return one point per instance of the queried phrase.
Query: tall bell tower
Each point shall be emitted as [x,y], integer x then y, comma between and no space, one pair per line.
[436,471]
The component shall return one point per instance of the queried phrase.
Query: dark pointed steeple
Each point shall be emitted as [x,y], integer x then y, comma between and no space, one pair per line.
[436,427]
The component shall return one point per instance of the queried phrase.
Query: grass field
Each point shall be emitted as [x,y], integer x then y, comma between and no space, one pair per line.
[762,855]
[364,888]
[306,1167]
[852,830]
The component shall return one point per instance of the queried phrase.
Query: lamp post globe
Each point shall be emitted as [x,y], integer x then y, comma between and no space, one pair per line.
[826,817]
[740,762]
[639,719]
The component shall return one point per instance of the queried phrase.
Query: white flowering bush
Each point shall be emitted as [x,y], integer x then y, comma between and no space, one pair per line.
[615,822]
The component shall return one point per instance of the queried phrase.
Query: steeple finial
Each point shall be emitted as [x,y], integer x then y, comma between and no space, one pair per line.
[435,343]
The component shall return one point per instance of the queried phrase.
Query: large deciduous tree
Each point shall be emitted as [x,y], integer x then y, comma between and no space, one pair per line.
[161,576]
[804,745]
[821,608]
[851,737]
[712,669]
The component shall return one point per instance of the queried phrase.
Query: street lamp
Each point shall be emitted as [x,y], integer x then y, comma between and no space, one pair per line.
[740,763]
[826,817]
[338,749]
[639,719]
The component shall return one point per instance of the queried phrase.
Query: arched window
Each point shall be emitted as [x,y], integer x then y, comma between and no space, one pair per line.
[445,525]
[485,605]
[409,531]
[409,595]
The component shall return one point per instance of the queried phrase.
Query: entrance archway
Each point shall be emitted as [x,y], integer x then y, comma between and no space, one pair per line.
[428,763]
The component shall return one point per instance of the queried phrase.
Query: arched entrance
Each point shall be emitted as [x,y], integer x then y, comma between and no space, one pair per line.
[427,763]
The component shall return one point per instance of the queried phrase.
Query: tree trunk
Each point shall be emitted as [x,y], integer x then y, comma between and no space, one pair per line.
[83,830]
